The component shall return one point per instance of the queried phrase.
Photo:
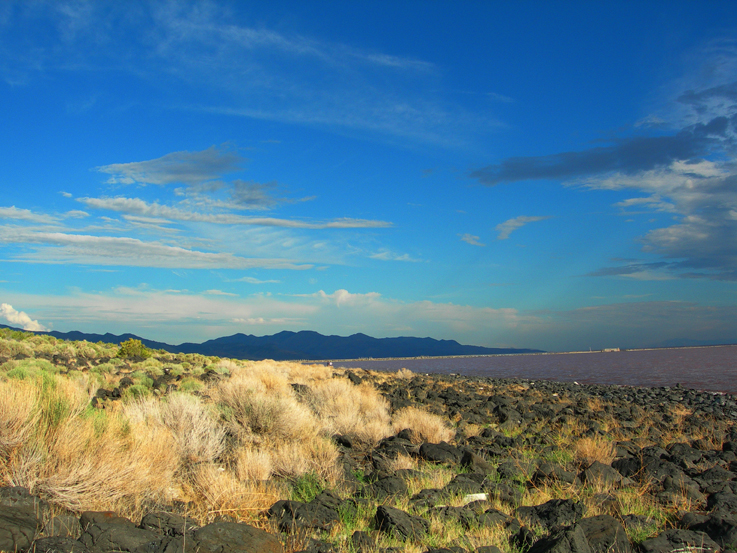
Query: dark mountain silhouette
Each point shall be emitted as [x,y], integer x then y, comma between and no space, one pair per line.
[311,345]
[305,344]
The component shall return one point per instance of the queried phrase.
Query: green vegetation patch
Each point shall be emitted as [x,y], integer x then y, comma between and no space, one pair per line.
[189,385]
[135,392]
[307,487]
[134,348]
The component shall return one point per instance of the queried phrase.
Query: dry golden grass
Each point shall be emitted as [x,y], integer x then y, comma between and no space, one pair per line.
[216,491]
[18,416]
[222,450]
[588,450]
[427,427]
[253,464]
[196,433]
[88,468]
[404,374]
[403,462]
[259,415]
[343,408]
[316,455]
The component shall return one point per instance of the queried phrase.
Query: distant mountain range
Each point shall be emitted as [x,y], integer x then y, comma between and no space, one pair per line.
[305,344]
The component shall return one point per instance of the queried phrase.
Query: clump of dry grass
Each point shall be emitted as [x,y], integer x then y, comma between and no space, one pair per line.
[217,491]
[121,467]
[18,416]
[82,461]
[404,374]
[253,464]
[282,435]
[258,414]
[343,408]
[316,455]
[196,433]
[427,427]
[590,449]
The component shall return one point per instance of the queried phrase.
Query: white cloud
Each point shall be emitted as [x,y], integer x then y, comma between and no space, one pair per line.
[57,247]
[471,239]
[219,293]
[140,207]
[252,280]
[387,255]
[19,318]
[76,214]
[345,298]
[703,195]
[260,321]
[510,225]
[25,215]
[654,202]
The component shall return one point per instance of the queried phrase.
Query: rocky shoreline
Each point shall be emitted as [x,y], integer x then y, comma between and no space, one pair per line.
[671,449]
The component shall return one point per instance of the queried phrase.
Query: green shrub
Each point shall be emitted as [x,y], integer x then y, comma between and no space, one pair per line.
[19,373]
[142,378]
[103,368]
[99,419]
[151,366]
[17,335]
[307,487]
[134,348]
[175,370]
[29,367]
[135,392]
[190,385]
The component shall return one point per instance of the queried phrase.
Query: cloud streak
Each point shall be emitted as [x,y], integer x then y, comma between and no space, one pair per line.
[58,247]
[626,156]
[510,225]
[140,207]
[189,168]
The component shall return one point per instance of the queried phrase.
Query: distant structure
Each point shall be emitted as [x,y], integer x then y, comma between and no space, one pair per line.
[607,350]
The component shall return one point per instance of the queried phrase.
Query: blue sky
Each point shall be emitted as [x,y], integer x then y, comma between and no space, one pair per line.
[553,175]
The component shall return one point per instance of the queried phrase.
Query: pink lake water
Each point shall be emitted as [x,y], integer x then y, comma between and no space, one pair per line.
[702,368]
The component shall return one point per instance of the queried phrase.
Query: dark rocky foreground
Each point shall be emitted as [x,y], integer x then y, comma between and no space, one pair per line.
[676,447]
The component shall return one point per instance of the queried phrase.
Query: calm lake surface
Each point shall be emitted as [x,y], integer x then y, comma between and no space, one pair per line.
[703,368]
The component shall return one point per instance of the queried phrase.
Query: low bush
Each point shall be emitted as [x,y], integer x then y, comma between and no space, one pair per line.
[136,391]
[134,348]
[427,427]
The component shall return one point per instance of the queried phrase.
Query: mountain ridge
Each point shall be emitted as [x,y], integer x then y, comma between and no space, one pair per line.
[303,345]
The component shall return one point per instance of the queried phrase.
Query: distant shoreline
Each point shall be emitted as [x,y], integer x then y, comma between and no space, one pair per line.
[607,350]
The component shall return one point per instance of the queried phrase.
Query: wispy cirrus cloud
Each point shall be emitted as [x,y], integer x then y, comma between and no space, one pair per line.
[510,225]
[253,280]
[253,71]
[60,247]
[388,255]
[144,208]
